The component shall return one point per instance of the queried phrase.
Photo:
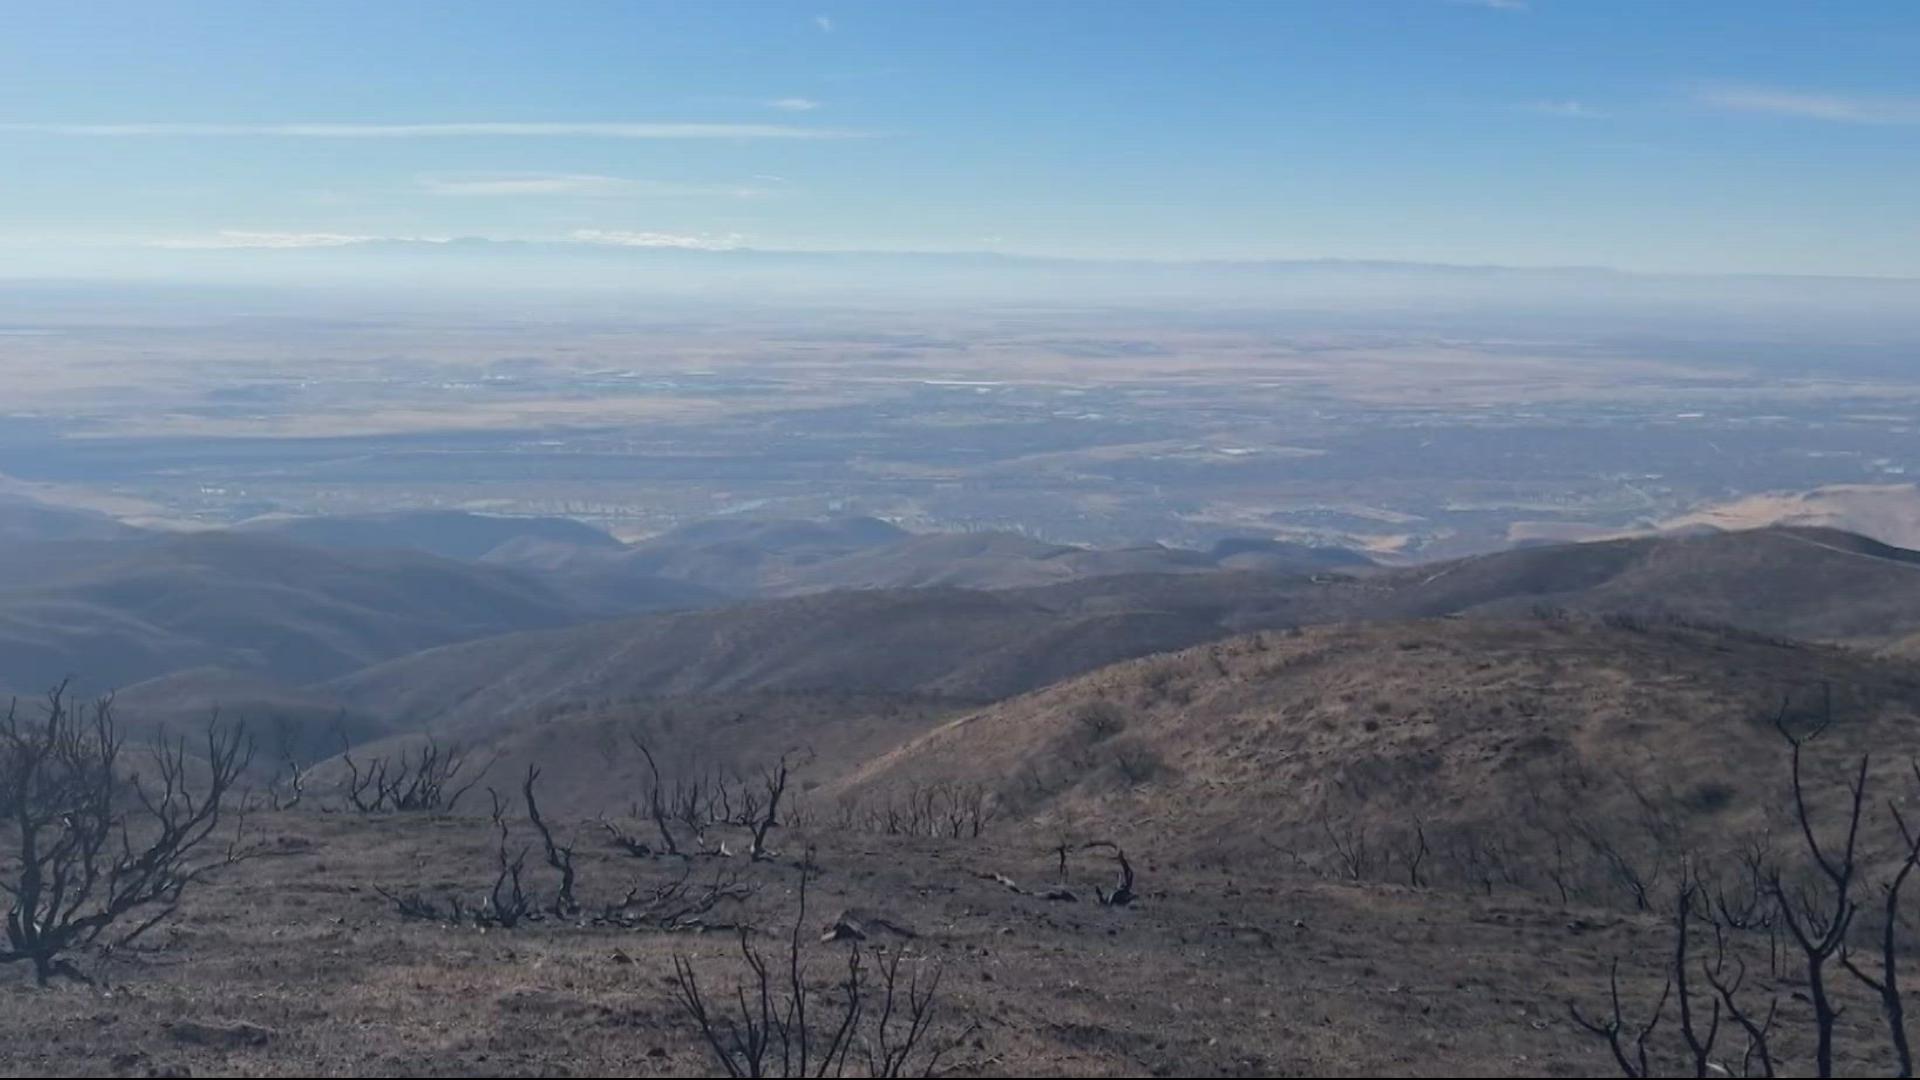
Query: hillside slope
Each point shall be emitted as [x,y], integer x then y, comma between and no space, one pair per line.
[450,534]
[589,758]
[1001,560]
[1466,726]
[1817,584]
[306,725]
[778,558]
[1886,512]
[580,563]
[740,558]
[980,646]
[24,520]
[956,643]
[132,612]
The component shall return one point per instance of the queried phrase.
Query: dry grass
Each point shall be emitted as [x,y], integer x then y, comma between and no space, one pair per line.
[1464,724]
[294,965]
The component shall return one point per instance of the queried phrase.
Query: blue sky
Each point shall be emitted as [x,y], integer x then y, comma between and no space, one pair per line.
[1778,137]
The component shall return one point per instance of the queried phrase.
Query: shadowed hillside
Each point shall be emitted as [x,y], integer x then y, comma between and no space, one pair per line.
[590,755]
[450,534]
[980,646]
[25,520]
[303,724]
[548,549]
[749,558]
[740,558]
[955,643]
[1818,584]
[998,560]
[295,613]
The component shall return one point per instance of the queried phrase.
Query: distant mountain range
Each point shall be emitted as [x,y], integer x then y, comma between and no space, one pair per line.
[591,263]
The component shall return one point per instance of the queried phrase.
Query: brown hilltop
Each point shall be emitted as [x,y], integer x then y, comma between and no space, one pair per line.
[1238,746]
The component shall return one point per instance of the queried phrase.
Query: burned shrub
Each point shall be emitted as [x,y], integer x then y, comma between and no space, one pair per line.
[1100,719]
[88,846]
[877,1018]
[426,781]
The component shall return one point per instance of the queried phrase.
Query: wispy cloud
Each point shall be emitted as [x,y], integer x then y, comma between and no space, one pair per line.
[633,239]
[1570,110]
[577,185]
[262,240]
[1833,108]
[793,104]
[824,22]
[476,129]
[240,239]
[1497,5]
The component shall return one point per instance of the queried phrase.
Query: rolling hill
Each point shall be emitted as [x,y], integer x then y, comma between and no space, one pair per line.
[1887,512]
[450,534]
[134,611]
[582,564]
[402,638]
[1518,728]
[732,557]
[1800,582]
[588,757]
[1000,560]
[24,520]
[777,558]
[973,645]
[960,644]
[304,724]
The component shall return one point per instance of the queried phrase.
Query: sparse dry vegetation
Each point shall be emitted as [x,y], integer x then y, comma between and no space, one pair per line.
[781,1025]
[96,848]
[934,810]
[1286,829]
[429,779]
